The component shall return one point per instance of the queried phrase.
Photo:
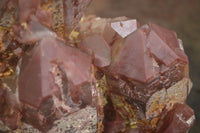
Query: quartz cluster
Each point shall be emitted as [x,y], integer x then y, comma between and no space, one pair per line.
[64,72]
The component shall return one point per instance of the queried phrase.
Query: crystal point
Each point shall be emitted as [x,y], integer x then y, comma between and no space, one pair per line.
[61,72]
[96,46]
[178,120]
[124,28]
[37,77]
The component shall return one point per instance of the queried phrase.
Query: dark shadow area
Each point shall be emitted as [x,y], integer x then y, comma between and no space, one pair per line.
[182,16]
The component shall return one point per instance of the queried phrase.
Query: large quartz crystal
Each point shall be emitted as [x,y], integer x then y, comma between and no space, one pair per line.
[64,72]
[52,81]
[149,72]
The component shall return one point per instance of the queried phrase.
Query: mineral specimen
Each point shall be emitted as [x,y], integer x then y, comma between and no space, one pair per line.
[61,72]
[101,50]
[149,72]
[178,120]
[52,81]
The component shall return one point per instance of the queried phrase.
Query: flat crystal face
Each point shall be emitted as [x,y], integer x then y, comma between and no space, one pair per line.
[124,28]
[96,46]
[179,119]
[138,54]
[132,60]
[61,72]
[36,81]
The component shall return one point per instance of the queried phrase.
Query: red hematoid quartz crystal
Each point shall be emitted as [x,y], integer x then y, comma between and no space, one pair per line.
[61,72]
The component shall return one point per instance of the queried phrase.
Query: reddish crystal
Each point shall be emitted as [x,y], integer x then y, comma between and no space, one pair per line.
[27,8]
[178,120]
[133,60]
[32,32]
[44,17]
[36,81]
[136,55]
[9,108]
[124,28]
[92,25]
[164,45]
[136,86]
[98,48]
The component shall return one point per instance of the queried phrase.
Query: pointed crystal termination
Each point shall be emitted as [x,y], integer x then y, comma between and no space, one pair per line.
[97,34]
[152,50]
[130,66]
[54,80]
[62,16]
[97,47]
[164,45]
[130,78]
[178,120]
[148,71]
[33,32]
[124,28]
[109,29]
